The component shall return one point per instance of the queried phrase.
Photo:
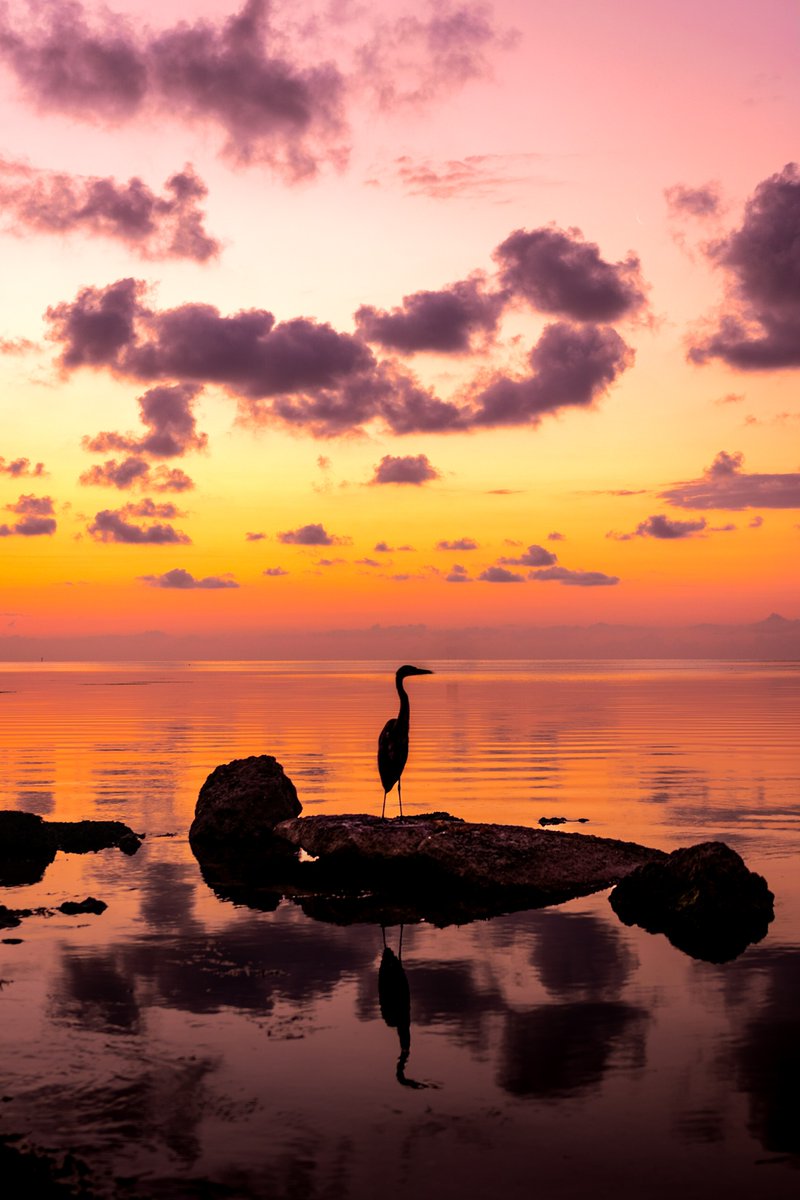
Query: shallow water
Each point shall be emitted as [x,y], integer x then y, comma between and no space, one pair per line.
[183,1046]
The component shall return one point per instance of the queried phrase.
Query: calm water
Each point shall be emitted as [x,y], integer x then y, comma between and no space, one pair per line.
[185,1047]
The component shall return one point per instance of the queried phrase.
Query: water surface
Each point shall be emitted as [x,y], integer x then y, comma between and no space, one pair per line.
[183,1046]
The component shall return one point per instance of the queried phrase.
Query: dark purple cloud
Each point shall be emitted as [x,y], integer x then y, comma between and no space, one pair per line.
[274,572]
[310,535]
[573,578]
[113,526]
[700,202]
[556,271]
[662,527]
[572,366]
[152,508]
[29,527]
[136,472]
[184,581]
[408,468]
[760,329]
[367,562]
[555,536]
[756,522]
[458,574]
[534,556]
[17,467]
[254,537]
[270,108]
[500,575]
[166,411]
[443,322]
[168,226]
[307,375]
[29,505]
[726,485]
[385,548]
[464,543]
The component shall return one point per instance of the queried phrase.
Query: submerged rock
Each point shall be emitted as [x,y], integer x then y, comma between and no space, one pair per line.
[74,908]
[241,802]
[702,897]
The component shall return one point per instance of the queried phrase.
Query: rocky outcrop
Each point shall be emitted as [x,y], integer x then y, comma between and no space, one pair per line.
[702,897]
[240,804]
[28,844]
[446,866]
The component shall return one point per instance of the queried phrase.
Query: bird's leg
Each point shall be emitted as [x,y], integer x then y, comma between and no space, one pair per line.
[400,799]
[383,810]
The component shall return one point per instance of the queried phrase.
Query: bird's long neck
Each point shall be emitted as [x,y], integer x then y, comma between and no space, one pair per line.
[403,715]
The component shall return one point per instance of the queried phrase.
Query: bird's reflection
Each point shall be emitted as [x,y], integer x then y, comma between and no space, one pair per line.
[394,996]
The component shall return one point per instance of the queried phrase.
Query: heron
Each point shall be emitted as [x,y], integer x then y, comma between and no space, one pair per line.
[393,741]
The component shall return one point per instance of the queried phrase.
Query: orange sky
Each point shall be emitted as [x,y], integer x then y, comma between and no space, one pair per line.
[451,316]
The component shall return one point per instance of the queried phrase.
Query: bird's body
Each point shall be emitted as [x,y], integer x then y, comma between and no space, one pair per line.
[393,740]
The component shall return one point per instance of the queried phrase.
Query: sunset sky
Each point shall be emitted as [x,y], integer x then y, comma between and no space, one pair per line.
[318,318]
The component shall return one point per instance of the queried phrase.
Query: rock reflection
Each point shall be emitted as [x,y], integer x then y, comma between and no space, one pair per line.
[561,1050]
[577,952]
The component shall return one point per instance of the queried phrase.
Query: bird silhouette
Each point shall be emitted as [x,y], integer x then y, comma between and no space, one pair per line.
[393,741]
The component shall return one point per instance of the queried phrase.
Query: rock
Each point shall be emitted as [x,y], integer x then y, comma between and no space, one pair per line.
[27,847]
[74,907]
[563,820]
[8,918]
[702,897]
[241,802]
[444,869]
[28,844]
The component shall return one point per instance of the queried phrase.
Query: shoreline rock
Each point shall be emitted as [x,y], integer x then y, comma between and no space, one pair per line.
[28,843]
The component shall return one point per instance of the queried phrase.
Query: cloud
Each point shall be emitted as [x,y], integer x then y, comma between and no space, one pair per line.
[726,485]
[367,562]
[30,527]
[556,271]
[464,543]
[18,467]
[303,374]
[274,572]
[700,202]
[329,562]
[112,526]
[760,327]
[534,556]
[254,537]
[16,345]
[310,535]
[32,506]
[151,508]
[500,575]
[555,536]
[476,176]
[572,367]
[166,411]
[269,108]
[183,581]
[385,548]
[574,578]
[442,322]
[458,574]
[416,59]
[756,522]
[660,526]
[136,472]
[169,226]
[411,469]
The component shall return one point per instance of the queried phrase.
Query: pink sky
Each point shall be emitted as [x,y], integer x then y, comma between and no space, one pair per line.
[449,317]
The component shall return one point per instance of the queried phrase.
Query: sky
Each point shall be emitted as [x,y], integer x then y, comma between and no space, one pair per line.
[437,325]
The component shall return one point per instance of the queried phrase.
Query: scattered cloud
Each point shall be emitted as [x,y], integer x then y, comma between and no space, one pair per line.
[29,505]
[463,543]
[500,575]
[254,537]
[726,485]
[367,562]
[557,271]
[457,574]
[385,548]
[699,202]
[184,581]
[167,414]
[534,556]
[18,467]
[756,523]
[16,345]
[311,535]
[113,526]
[760,325]
[136,472]
[662,527]
[443,322]
[168,226]
[475,177]
[555,536]
[274,572]
[36,517]
[574,578]
[731,398]
[410,469]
